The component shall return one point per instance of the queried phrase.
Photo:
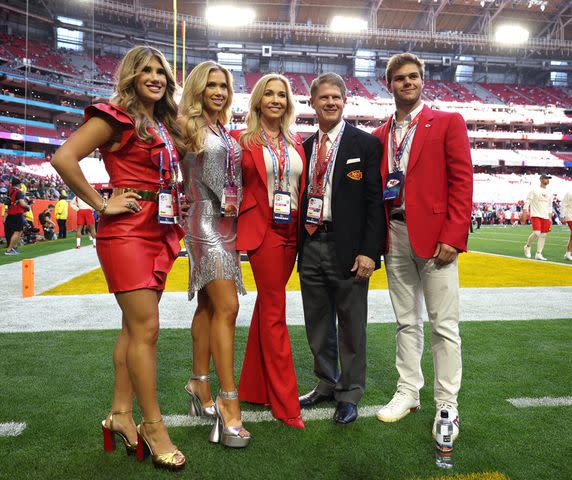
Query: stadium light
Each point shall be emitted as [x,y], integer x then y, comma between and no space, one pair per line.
[219,16]
[343,24]
[511,34]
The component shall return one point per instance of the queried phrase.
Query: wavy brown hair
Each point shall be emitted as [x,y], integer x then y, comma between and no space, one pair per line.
[125,94]
[191,107]
[252,135]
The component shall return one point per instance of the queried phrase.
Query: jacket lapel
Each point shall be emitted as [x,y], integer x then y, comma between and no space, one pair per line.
[385,155]
[258,158]
[421,133]
[342,156]
[300,149]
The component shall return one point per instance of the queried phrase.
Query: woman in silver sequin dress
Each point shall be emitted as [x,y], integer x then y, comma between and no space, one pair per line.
[213,184]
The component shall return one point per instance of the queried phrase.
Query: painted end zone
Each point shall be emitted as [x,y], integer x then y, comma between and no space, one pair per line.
[476,270]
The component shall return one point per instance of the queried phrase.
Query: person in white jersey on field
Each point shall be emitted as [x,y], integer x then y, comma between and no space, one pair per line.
[566,216]
[538,206]
[84,217]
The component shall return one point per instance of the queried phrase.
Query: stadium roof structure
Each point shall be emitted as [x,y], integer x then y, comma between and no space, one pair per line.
[465,25]
[443,31]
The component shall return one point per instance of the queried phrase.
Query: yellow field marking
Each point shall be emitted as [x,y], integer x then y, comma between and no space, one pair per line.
[475,270]
[470,476]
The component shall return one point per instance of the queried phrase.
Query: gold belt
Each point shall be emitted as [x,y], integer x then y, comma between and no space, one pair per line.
[146,195]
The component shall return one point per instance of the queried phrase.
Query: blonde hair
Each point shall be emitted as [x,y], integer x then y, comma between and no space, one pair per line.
[253,135]
[397,61]
[125,94]
[191,106]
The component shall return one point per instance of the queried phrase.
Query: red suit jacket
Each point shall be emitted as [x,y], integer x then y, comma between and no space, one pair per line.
[254,213]
[438,181]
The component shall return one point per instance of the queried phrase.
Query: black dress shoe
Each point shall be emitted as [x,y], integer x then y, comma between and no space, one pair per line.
[345,413]
[314,397]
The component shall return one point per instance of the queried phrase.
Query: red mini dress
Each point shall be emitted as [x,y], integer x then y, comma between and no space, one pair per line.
[134,249]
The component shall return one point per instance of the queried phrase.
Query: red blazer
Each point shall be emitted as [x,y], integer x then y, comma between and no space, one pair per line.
[254,213]
[438,181]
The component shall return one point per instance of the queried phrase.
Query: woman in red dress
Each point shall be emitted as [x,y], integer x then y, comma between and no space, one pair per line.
[138,138]
[273,168]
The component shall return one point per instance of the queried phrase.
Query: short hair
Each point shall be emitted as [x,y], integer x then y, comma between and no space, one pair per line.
[397,61]
[51,205]
[331,78]
[15,181]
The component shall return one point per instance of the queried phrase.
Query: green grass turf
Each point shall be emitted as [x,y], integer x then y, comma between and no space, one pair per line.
[510,241]
[42,248]
[60,383]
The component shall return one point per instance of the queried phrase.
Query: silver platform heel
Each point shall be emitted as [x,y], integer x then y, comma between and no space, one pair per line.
[196,408]
[228,436]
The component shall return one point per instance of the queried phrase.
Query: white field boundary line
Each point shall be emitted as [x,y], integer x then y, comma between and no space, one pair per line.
[265,416]
[525,402]
[524,259]
[556,231]
[557,243]
[12,429]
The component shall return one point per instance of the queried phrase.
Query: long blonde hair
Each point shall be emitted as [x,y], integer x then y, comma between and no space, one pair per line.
[125,94]
[191,107]
[252,135]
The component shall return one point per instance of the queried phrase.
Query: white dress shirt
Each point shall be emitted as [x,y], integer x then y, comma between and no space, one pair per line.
[400,129]
[295,173]
[332,134]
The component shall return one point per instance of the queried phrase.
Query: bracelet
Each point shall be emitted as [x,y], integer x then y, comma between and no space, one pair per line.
[101,210]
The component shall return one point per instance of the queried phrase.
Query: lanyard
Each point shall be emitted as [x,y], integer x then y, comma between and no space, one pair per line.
[220,131]
[328,163]
[172,161]
[280,161]
[398,150]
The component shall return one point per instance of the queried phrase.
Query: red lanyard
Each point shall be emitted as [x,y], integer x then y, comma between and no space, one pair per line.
[398,151]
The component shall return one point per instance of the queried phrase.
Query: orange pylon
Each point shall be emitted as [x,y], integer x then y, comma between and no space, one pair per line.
[27,278]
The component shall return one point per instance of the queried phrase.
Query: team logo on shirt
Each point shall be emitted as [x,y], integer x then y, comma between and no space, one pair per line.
[355,175]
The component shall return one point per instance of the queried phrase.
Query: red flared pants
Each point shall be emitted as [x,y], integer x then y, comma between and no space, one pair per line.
[268,375]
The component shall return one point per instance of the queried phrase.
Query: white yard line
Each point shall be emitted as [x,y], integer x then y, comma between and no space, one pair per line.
[100,312]
[569,264]
[11,429]
[266,416]
[525,402]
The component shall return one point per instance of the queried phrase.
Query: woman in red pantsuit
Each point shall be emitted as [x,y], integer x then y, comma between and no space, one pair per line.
[137,135]
[273,169]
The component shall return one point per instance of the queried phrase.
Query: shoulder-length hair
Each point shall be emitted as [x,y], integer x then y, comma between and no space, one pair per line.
[253,133]
[191,106]
[125,94]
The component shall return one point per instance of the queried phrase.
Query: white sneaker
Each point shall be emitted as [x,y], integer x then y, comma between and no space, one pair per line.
[453,416]
[539,256]
[568,256]
[400,405]
[527,251]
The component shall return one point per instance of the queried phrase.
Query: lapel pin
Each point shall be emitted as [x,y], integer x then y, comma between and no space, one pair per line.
[427,125]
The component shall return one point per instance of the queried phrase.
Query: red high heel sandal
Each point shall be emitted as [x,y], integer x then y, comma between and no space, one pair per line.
[109,436]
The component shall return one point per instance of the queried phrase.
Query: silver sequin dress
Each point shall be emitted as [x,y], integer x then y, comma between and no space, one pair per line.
[210,237]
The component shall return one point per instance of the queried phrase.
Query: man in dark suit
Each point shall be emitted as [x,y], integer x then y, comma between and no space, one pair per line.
[342,232]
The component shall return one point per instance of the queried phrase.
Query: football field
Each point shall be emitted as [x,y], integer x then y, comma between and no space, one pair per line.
[515,403]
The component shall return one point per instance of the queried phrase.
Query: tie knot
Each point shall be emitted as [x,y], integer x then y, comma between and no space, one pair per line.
[324,139]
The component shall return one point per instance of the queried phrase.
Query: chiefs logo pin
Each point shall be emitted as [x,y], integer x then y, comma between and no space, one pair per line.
[355,175]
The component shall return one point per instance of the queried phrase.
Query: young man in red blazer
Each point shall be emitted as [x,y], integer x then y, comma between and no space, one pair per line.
[428,184]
